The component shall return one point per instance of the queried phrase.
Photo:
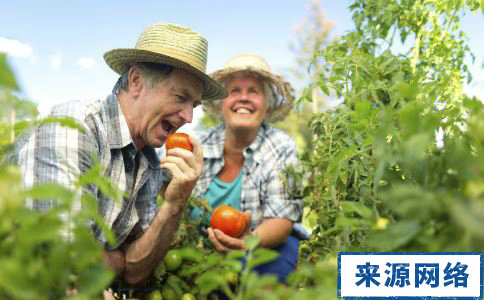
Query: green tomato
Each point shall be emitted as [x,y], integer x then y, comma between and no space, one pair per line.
[188,296]
[172,260]
[168,293]
[231,277]
[154,295]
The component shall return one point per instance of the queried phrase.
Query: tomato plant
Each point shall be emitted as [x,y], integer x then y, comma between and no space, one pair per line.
[228,220]
[393,167]
[178,140]
[38,260]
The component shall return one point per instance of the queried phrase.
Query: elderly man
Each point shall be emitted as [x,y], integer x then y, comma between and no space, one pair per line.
[162,79]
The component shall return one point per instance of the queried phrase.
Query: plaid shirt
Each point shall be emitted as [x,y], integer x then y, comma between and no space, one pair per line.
[263,190]
[55,154]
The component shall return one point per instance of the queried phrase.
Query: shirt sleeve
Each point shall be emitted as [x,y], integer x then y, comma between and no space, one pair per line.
[283,195]
[57,154]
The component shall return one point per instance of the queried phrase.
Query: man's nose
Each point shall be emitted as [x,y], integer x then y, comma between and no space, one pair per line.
[187,113]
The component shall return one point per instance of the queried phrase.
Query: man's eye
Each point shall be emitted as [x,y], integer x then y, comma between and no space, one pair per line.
[182,98]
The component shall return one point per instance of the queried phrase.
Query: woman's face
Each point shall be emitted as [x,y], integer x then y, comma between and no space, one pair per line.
[245,106]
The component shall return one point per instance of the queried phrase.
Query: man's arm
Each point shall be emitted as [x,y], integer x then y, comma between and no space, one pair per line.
[114,260]
[144,254]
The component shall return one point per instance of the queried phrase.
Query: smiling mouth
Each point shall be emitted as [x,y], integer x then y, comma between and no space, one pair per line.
[242,111]
[168,127]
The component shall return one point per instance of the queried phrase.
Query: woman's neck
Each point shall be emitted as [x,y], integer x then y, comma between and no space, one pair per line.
[237,141]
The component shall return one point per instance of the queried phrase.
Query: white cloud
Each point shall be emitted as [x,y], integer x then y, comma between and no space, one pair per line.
[15,48]
[86,62]
[56,61]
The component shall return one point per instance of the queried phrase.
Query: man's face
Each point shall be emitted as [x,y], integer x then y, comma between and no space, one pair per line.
[167,106]
[244,108]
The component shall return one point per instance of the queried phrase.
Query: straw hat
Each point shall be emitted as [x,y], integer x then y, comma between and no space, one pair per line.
[282,91]
[173,45]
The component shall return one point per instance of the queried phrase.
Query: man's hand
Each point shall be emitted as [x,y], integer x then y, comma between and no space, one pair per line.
[186,168]
[224,243]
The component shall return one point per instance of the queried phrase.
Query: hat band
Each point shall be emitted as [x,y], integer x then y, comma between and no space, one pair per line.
[177,55]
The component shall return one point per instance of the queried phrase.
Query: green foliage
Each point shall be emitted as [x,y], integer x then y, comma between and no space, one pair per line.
[43,257]
[208,122]
[39,261]
[405,147]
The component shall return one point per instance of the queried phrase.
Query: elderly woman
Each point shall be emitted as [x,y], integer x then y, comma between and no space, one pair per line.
[245,159]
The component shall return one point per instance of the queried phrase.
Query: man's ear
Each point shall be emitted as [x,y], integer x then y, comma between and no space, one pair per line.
[135,81]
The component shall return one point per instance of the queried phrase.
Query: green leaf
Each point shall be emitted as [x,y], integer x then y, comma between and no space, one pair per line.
[208,282]
[394,236]
[49,191]
[358,208]
[191,254]
[261,256]
[94,279]
[235,265]
[214,259]
[63,121]
[251,242]
[235,254]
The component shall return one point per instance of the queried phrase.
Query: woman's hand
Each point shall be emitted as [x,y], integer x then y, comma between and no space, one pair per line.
[272,233]
[224,243]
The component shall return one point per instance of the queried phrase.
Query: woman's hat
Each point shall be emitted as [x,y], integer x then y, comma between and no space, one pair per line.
[172,45]
[282,91]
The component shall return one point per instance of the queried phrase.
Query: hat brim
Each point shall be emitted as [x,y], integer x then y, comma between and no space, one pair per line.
[120,59]
[283,92]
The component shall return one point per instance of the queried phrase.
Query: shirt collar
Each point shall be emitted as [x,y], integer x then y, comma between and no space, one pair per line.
[119,135]
[152,157]
[253,150]
[215,150]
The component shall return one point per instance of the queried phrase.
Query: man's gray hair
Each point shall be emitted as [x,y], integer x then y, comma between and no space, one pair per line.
[152,74]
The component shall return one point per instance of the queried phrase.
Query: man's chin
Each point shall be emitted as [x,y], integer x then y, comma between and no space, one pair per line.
[158,143]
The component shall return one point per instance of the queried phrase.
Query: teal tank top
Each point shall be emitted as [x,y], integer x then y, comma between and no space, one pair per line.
[221,193]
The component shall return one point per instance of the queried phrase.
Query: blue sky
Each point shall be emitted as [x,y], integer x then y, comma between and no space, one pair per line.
[56,47]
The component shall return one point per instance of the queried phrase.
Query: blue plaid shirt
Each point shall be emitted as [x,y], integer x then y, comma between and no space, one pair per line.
[263,190]
[55,154]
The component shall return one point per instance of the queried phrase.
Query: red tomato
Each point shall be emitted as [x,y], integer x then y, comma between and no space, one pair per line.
[178,140]
[229,220]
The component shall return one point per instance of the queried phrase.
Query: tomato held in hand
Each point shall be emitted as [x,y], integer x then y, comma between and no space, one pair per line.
[178,140]
[228,220]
